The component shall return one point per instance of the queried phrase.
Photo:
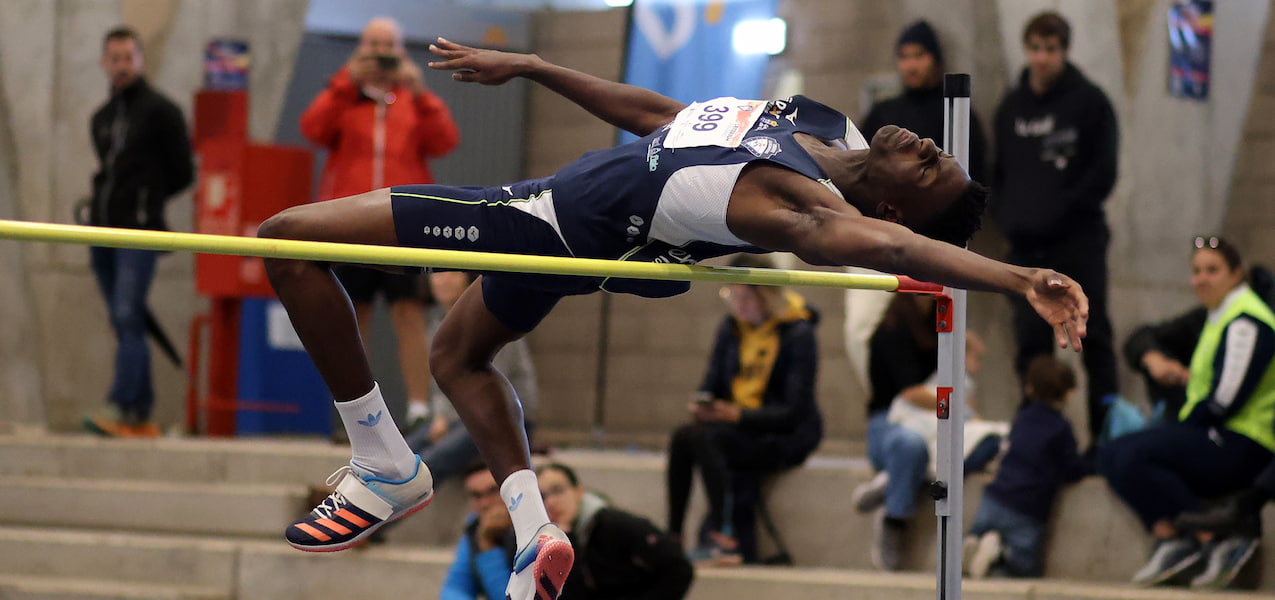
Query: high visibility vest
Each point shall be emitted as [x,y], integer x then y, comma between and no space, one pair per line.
[1256,418]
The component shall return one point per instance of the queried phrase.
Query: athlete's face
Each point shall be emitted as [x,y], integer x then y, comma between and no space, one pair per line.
[915,180]
[1211,278]
[562,500]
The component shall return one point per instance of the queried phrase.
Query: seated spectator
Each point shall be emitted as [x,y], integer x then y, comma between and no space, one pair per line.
[1009,527]
[485,552]
[902,358]
[1161,351]
[443,442]
[619,555]
[1223,437]
[914,409]
[755,414]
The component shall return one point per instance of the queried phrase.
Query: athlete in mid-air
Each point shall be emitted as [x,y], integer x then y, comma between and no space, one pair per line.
[709,179]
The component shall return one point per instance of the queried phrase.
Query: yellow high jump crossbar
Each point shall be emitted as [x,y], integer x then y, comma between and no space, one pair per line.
[449,259]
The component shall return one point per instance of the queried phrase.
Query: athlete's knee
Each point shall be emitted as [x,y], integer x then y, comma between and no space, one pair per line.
[286,224]
[448,359]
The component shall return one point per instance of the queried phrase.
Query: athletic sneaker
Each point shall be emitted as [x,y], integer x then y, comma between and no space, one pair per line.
[360,505]
[1170,557]
[1225,559]
[870,495]
[986,553]
[887,547]
[541,567]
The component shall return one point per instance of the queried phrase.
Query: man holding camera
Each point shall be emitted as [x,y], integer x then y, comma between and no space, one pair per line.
[381,125]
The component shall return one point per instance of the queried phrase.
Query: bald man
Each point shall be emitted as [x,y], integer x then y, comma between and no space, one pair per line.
[381,125]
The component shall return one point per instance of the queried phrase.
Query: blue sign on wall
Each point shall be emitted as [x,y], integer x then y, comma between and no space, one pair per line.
[683,49]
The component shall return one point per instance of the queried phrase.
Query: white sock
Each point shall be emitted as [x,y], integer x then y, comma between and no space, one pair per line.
[521,493]
[375,442]
[417,410]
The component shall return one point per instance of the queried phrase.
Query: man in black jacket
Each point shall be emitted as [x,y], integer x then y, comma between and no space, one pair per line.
[1056,148]
[140,140]
[919,60]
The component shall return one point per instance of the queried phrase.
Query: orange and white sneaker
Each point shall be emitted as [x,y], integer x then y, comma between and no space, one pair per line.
[541,567]
[360,504]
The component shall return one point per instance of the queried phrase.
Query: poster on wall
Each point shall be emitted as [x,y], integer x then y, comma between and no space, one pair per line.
[1190,45]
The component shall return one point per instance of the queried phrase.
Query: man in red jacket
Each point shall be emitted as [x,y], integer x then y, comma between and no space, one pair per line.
[380,124]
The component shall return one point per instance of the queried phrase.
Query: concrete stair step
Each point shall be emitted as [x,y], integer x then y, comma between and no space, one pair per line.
[195,460]
[27,587]
[165,560]
[219,509]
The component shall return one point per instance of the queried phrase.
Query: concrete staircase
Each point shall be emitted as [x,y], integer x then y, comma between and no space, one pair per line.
[87,518]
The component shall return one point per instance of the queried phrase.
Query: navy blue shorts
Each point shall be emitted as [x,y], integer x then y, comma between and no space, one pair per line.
[492,219]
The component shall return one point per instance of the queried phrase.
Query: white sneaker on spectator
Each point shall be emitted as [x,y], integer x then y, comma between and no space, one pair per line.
[870,495]
[1170,557]
[986,554]
[1225,559]
[887,545]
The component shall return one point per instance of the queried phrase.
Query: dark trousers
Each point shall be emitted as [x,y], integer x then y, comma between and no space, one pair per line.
[1164,471]
[725,457]
[124,277]
[1084,259]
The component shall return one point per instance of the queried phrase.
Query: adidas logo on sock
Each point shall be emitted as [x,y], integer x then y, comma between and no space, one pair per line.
[372,419]
[514,502]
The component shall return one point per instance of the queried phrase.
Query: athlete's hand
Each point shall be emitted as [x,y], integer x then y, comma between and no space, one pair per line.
[1061,303]
[488,67]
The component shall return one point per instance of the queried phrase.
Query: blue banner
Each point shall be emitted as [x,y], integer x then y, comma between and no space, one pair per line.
[683,49]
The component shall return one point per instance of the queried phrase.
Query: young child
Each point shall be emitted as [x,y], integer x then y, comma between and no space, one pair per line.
[1009,528]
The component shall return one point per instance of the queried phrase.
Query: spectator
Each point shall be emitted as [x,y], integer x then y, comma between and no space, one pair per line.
[1009,527]
[1161,351]
[144,154]
[755,413]
[445,444]
[914,409]
[918,58]
[380,125]
[903,436]
[1056,150]
[619,555]
[1223,437]
[485,551]
[902,353]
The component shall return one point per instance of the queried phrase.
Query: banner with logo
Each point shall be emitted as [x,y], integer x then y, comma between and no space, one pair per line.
[683,49]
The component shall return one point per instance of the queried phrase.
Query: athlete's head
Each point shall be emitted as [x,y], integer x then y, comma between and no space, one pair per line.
[917,185]
[122,57]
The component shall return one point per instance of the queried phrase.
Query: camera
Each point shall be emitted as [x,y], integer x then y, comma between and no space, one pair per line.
[387,62]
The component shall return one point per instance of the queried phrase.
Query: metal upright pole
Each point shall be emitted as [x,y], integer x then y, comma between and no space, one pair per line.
[948,491]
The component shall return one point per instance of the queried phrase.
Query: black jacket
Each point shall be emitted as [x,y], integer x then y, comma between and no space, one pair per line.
[1056,159]
[921,111]
[789,418]
[151,165]
[1041,458]
[1176,338]
[621,556]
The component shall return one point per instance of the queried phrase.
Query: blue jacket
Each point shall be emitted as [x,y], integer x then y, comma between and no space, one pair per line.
[476,574]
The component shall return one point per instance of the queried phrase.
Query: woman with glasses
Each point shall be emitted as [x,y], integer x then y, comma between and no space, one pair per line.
[619,555]
[1219,440]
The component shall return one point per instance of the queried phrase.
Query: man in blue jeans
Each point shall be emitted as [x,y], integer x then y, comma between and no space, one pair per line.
[140,140]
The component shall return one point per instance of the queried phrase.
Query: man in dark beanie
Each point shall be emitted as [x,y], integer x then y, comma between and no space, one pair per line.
[919,59]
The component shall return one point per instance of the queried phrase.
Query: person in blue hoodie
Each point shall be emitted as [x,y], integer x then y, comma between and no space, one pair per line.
[755,413]
[1057,142]
[485,551]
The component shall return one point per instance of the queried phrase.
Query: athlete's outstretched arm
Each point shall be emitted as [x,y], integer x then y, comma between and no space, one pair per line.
[823,235]
[631,108]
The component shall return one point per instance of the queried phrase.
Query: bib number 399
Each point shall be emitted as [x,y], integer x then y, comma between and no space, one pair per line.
[719,122]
